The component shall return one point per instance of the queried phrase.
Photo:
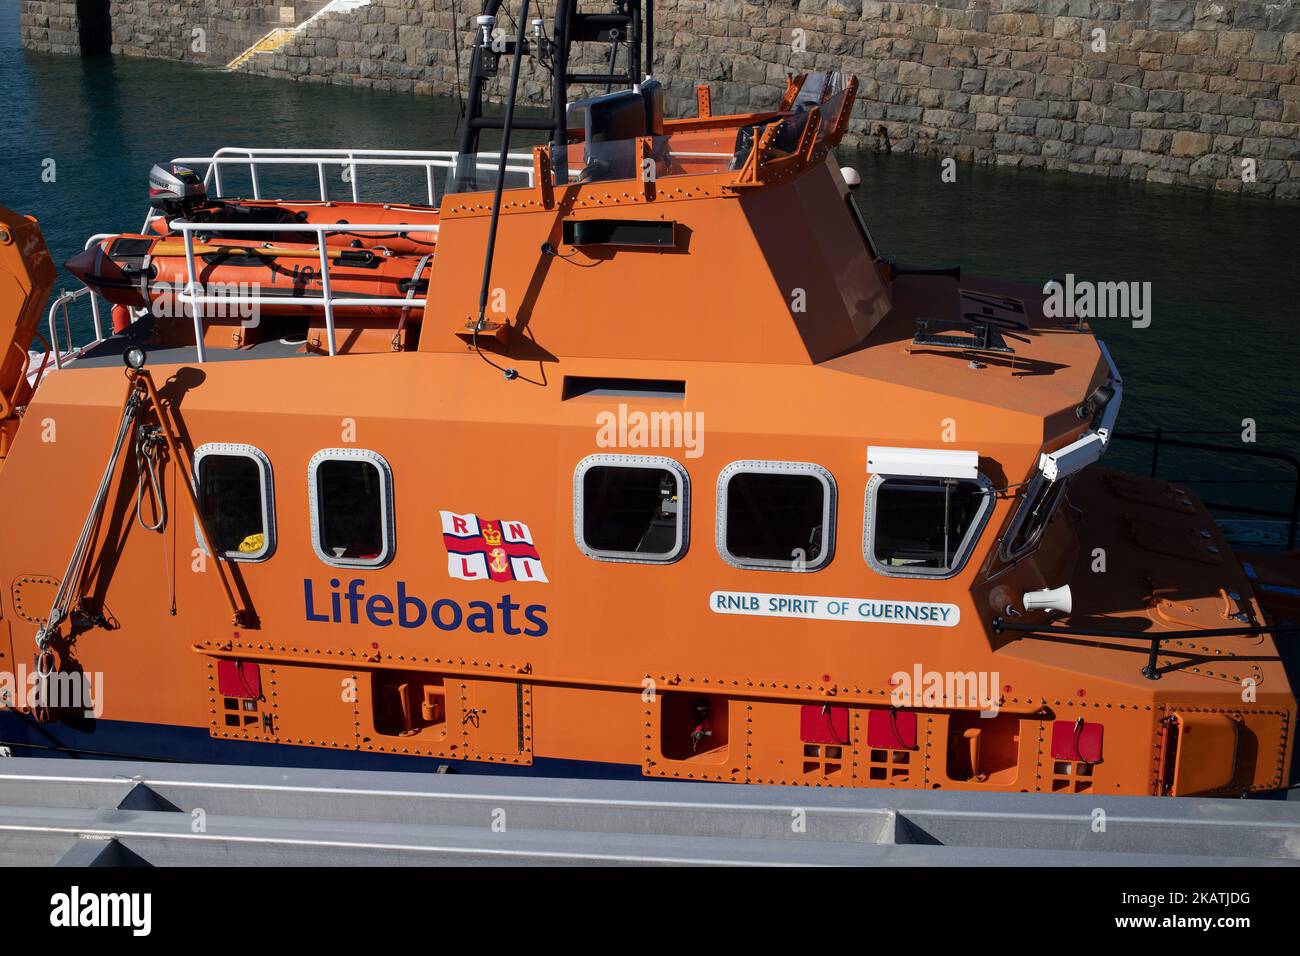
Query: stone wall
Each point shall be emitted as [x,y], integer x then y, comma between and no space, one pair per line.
[50,26]
[164,29]
[1169,91]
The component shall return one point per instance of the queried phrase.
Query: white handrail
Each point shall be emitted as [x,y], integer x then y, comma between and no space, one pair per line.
[351,161]
[311,157]
[61,302]
[192,297]
[313,151]
[351,158]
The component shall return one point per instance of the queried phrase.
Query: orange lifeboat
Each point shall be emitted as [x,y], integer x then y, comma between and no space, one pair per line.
[145,271]
[273,211]
[177,192]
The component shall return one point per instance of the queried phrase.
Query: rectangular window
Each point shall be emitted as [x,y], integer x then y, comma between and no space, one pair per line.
[234,493]
[631,508]
[776,515]
[351,501]
[923,526]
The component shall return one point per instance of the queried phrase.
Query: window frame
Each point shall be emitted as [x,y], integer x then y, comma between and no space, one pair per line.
[830,504]
[388,533]
[964,550]
[1021,515]
[258,457]
[633,461]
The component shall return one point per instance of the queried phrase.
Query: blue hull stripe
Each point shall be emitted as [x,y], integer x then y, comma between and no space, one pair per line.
[125,740]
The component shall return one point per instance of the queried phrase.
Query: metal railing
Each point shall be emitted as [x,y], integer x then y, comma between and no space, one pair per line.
[195,295]
[59,306]
[1159,438]
[352,159]
[254,158]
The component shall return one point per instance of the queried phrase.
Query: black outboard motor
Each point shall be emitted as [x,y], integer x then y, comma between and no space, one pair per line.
[176,192]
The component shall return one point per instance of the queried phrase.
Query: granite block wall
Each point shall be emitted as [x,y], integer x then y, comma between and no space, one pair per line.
[1198,93]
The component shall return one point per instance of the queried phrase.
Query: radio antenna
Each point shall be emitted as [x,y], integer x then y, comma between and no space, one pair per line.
[501,173]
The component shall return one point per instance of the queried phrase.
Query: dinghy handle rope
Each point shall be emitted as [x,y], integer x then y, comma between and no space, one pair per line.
[148,448]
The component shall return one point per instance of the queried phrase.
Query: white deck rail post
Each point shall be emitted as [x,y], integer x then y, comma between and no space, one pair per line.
[67,324]
[54,330]
[325,289]
[191,286]
[94,316]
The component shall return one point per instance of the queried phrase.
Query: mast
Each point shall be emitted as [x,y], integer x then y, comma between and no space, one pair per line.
[629,24]
[506,129]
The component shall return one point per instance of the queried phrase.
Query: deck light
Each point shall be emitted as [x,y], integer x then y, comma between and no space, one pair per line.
[134,357]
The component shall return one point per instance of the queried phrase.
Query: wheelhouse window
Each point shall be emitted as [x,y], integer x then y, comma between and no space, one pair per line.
[234,491]
[631,508]
[351,493]
[776,516]
[923,527]
[1035,513]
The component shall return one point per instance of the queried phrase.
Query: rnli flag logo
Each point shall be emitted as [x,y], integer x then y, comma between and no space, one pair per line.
[479,549]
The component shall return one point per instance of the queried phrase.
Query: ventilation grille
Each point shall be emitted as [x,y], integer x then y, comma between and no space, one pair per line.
[578,386]
[823,760]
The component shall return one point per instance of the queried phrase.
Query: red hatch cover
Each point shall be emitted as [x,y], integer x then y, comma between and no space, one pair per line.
[239,679]
[891,730]
[1076,740]
[823,724]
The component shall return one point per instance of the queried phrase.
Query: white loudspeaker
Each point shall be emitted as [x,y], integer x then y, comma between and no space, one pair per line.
[1048,599]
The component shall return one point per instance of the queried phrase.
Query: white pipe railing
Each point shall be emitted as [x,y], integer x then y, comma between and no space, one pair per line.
[195,293]
[60,303]
[351,158]
[255,157]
